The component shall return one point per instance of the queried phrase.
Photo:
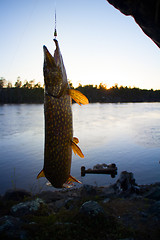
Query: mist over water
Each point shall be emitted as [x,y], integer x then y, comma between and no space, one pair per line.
[127,134]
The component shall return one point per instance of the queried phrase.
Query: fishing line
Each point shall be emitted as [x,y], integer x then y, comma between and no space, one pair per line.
[55,25]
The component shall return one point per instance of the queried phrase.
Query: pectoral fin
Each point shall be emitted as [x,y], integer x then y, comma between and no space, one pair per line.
[41,174]
[76,149]
[75,140]
[78,97]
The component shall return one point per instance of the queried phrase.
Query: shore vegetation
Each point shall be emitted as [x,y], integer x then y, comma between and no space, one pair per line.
[31,92]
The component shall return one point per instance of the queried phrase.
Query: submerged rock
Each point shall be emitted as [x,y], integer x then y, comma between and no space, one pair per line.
[26,207]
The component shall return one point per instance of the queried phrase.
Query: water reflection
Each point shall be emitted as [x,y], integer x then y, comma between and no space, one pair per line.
[111,134]
[148,134]
[125,134]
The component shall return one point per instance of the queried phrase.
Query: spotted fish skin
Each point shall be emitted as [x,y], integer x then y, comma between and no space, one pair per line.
[58,137]
[58,120]
[59,140]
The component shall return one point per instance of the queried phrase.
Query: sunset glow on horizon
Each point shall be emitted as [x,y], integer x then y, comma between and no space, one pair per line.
[98,43]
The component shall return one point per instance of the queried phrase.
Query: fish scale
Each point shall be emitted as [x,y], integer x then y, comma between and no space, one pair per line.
[58,137]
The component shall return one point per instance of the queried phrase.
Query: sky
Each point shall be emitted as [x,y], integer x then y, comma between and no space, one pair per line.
[98,43]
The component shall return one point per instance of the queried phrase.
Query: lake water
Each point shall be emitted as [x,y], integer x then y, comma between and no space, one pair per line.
[127,134]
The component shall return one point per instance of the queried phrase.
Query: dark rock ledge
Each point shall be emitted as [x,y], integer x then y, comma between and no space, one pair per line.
[123,210]
[146,14]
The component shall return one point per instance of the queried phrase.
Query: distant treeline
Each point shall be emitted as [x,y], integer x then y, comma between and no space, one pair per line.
[21,95]
[93,93]
[119,94]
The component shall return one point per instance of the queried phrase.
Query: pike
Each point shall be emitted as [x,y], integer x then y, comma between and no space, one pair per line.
[59,140]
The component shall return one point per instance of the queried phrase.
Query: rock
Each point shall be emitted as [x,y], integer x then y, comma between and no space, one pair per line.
[100,166]
[16,195]
[64,202]
[74,195]
[126,239]
[69,203]
[126,182]
[28,207]
[154,210]
[91,208]
[108,191]
[59,204]
[11,226]
[145,13]
[106,200]
[88,190]
[7,222]
[64,224]
[154,194]
[49,196]
[144,214]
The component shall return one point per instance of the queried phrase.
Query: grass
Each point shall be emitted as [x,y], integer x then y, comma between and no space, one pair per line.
[71,224]
[123,219]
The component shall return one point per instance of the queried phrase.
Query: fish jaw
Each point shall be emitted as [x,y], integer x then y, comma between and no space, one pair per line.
[59,62]
[49,60]
[55,77]
[52,74]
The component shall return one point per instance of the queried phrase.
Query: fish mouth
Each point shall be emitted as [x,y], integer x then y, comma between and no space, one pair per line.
[56,42]
[48,58]
[57,54]
[52,60]
[54,68]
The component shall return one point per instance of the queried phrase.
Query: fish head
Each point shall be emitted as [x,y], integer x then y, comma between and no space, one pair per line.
[55,77]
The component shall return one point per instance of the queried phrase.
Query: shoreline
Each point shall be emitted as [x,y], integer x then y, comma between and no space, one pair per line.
[129,210]
[94,94]
[100,102]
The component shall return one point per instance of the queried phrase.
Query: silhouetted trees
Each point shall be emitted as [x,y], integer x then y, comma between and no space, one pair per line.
[21,95]
[18,84]
[2,82]
[31,92]
[118,94]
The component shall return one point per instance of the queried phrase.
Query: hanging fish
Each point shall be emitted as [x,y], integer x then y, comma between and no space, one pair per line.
[59,140]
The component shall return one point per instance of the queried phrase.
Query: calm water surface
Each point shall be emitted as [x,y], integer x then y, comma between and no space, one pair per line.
[126,134]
